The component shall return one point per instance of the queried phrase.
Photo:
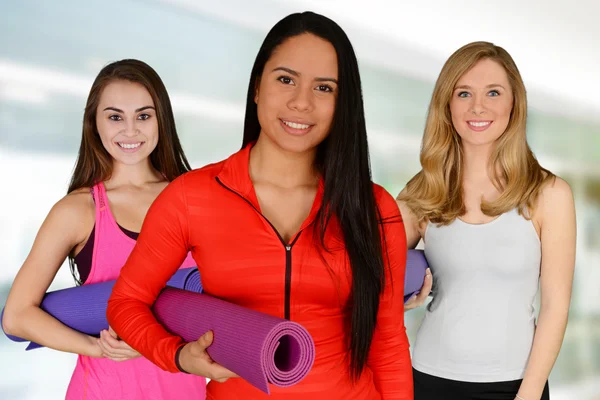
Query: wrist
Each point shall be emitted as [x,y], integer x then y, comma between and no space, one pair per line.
[180,358]
[92,348]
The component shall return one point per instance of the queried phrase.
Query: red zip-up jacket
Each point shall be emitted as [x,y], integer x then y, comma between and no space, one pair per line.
[214,213]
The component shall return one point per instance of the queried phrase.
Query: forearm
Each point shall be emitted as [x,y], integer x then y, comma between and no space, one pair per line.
[34,324]
[132,319]
[546,346]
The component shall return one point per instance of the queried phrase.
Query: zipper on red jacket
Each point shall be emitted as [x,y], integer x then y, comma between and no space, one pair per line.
[288,252]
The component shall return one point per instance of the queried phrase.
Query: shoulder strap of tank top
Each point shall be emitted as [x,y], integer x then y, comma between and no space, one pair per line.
[99,194]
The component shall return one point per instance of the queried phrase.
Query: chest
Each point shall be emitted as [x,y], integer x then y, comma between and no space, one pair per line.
[472,198]
[129,208]
[242,258]
[506,248]
[286,209]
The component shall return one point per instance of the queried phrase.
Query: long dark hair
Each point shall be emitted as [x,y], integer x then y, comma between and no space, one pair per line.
[343,160]
[94,163]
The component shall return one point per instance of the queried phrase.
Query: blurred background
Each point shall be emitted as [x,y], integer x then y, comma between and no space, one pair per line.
[50,53]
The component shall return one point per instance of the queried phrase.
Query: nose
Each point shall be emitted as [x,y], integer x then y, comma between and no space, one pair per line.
[131,129]
[301,99]
[477,106]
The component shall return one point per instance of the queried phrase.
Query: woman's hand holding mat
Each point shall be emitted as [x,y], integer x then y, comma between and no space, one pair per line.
[194,359]
[114,348]
[417,300]
[418,280]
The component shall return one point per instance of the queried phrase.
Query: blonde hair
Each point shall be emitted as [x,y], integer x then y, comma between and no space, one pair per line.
[435,193]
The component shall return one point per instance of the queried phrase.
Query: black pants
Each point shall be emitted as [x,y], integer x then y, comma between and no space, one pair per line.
[428,387]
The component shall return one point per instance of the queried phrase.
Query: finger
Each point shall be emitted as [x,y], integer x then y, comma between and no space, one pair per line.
[427,284]
[109,339]
[410,303]
[118,355]
[113,333]
[125,353]
[116,348]
[107,352]
[220,373]
[118,359]
[422,296]
[121,345]
[205,340]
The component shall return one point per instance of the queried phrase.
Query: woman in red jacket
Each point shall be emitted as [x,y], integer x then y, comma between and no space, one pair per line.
[291,226]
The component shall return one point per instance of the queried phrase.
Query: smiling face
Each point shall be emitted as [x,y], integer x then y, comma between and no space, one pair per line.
[126,122]
[482,103]
[297,92]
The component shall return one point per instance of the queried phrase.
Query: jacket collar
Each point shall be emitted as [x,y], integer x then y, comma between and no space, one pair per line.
[235,175]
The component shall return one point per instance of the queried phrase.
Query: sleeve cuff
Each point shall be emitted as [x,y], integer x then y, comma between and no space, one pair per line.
[177,359]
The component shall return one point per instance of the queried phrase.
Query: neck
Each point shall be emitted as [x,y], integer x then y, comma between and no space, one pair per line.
[476,163]
[272,164]
[138,175]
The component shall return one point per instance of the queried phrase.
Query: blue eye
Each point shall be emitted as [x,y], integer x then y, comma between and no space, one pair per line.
[286,80]
[463,94]
[494,93]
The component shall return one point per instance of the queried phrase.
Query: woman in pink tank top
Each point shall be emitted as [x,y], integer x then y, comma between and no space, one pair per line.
[128,154]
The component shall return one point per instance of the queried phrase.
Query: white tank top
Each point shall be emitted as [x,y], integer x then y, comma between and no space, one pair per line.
[479,326]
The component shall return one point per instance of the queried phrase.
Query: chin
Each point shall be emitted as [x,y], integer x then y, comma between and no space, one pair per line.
[132,160]
[296,144]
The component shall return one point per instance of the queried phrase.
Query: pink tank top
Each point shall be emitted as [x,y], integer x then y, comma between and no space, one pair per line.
[103,379]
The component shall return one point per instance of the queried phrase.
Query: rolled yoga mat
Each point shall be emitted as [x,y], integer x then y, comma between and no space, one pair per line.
[260,348]
[416,264]
[83,308]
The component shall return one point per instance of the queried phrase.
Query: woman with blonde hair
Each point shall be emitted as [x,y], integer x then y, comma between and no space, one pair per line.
[496,226]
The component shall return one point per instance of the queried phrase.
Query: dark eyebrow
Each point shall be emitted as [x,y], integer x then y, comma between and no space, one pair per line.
[113,109]
[326,80]
[288,70]
[295,73]
[145,108]
[487,87]
[121,111]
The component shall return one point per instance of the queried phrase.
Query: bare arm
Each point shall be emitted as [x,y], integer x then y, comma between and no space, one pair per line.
[413,236]
[66,226]
[558,231]
[411,226]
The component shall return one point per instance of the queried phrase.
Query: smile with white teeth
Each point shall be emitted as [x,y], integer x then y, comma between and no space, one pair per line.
[296,125]
[479,124]
[129,145]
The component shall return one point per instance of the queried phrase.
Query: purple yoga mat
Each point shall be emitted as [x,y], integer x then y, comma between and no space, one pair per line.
[258,347]
[83,308]
[416,264]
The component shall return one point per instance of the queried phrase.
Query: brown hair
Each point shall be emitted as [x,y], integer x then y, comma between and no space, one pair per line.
[435,193]
[94,163]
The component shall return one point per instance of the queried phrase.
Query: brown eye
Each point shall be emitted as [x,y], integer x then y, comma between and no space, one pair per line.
[324,88]
[286,80]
